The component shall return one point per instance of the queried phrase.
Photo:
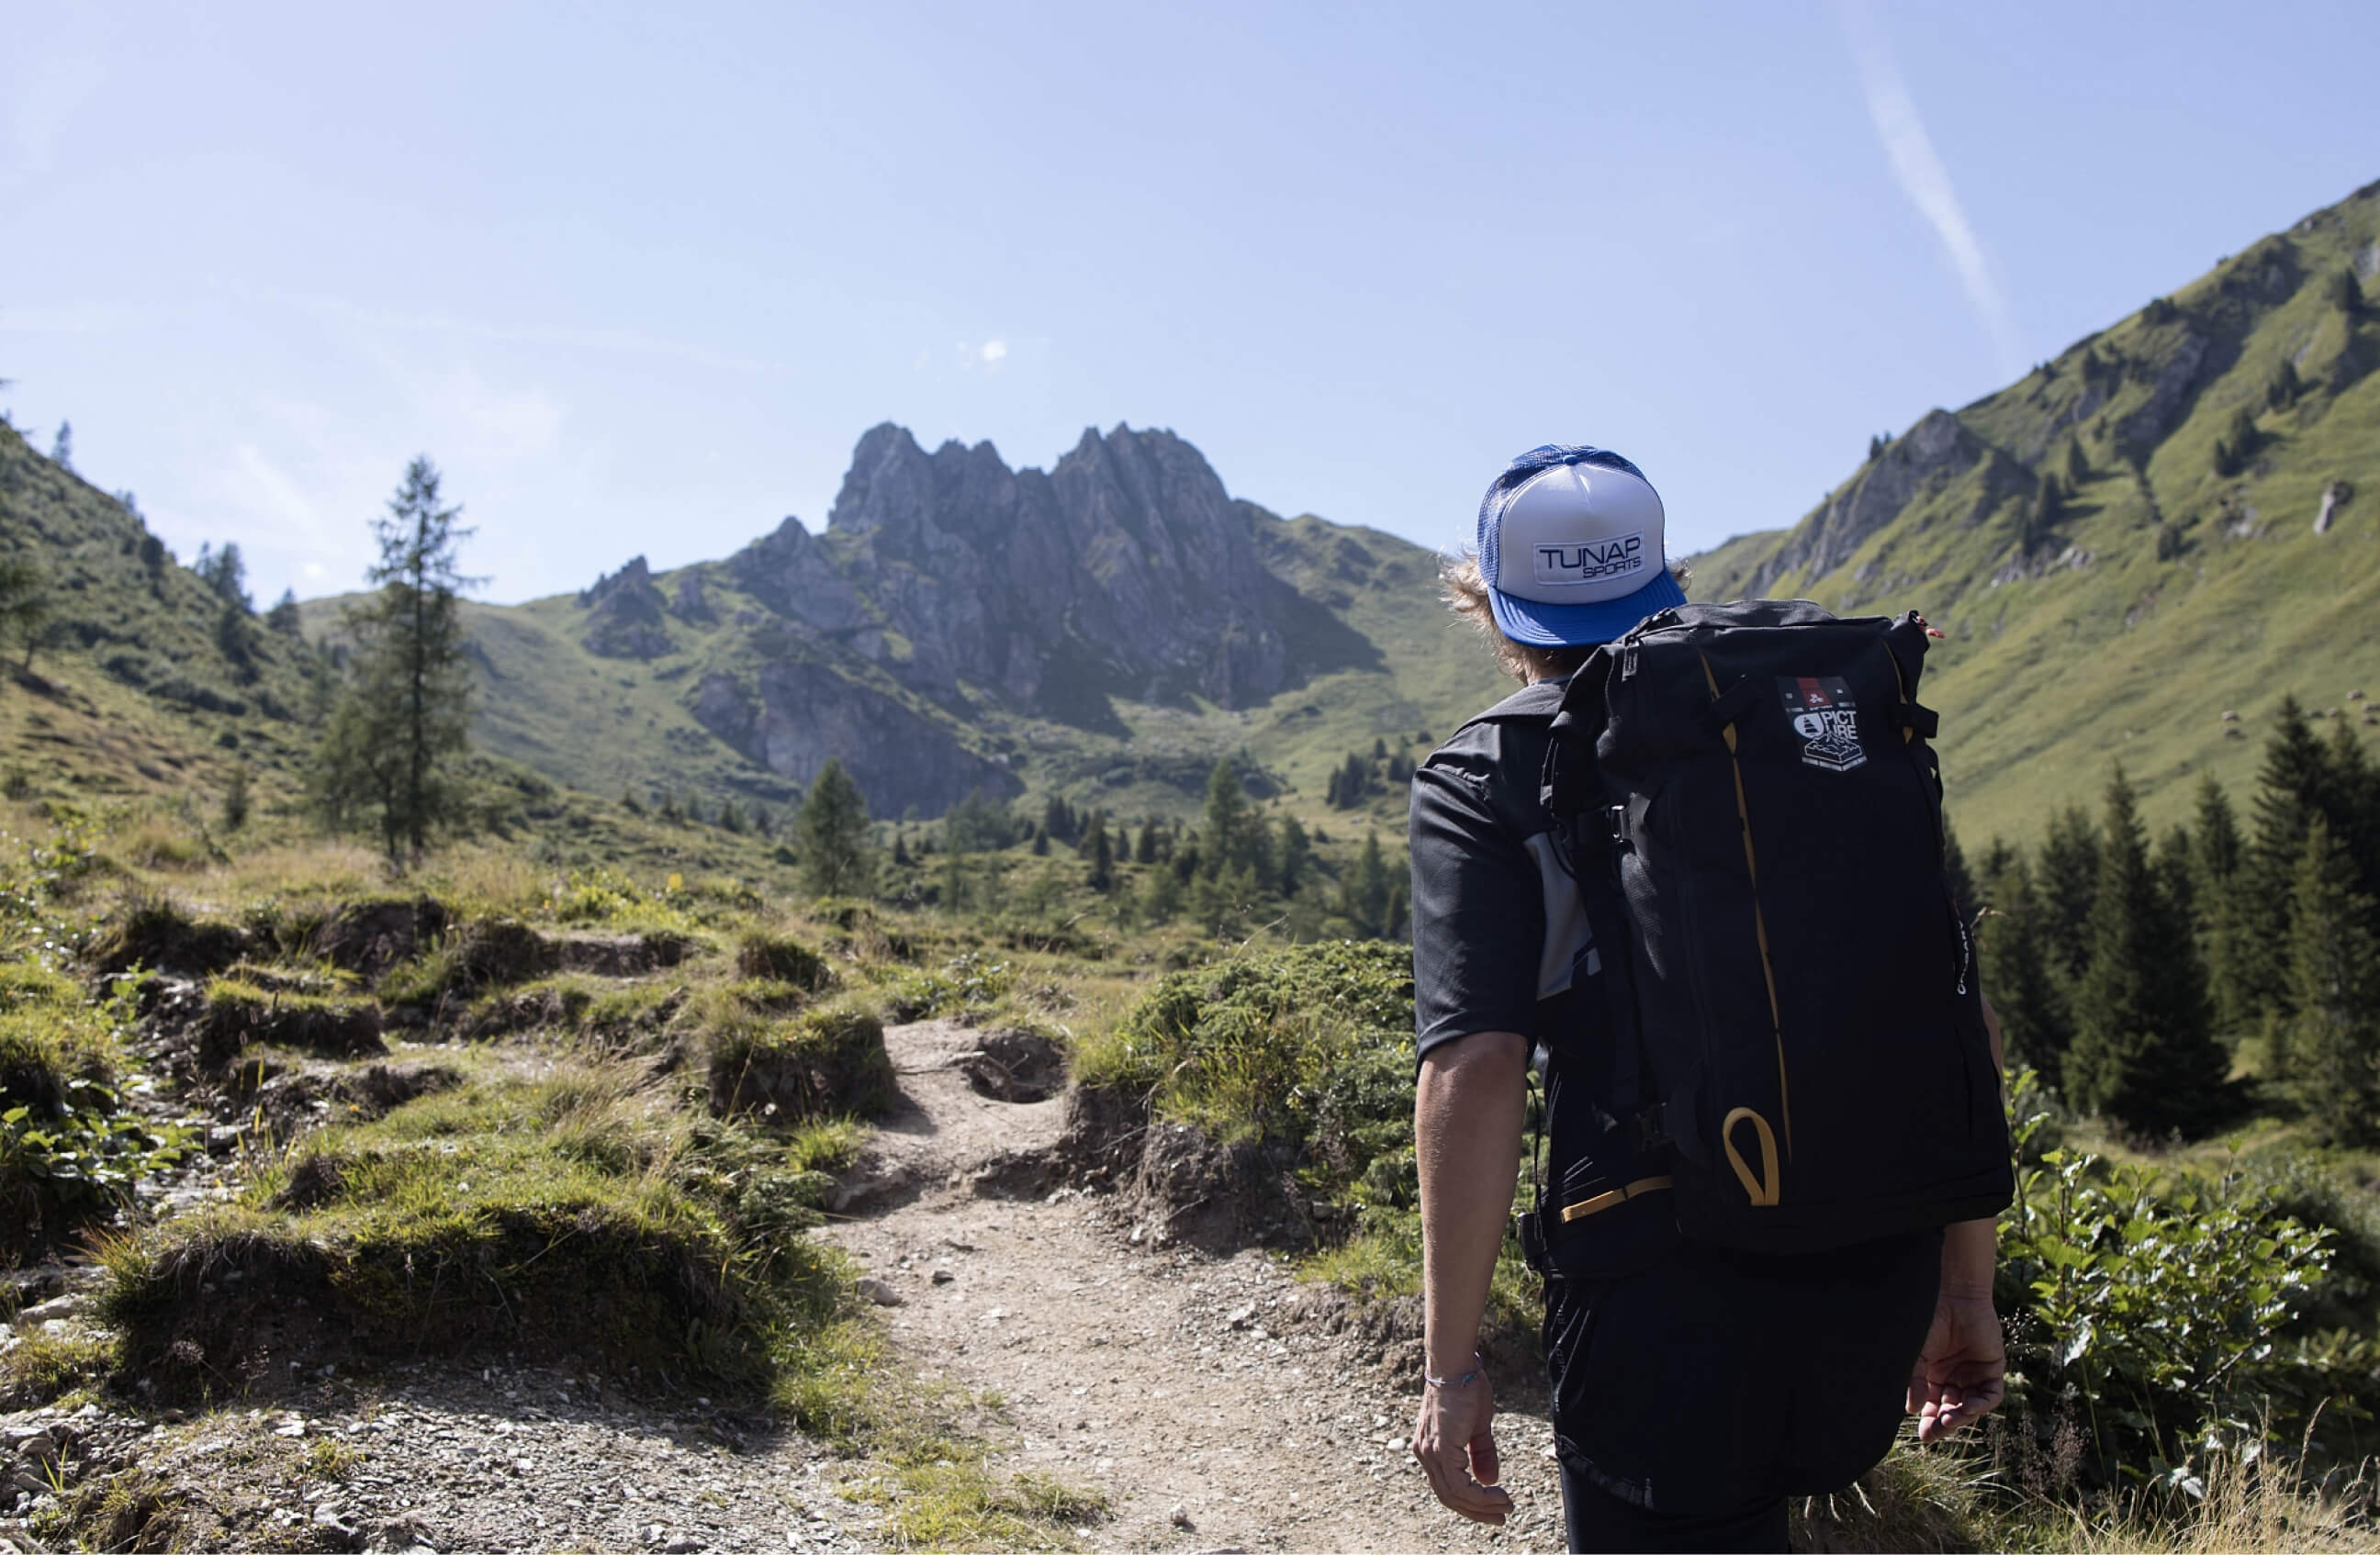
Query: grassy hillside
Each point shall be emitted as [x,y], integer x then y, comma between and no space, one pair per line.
[2178,575]
[141,680]
[1403,672]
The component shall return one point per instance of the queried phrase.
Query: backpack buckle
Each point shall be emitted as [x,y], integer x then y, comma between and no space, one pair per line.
[1616,819]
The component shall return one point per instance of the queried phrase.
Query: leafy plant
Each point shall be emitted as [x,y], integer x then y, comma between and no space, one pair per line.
[85,1151]
[2153,1311]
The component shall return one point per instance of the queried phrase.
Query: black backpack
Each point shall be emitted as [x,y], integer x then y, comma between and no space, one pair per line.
[1748,797]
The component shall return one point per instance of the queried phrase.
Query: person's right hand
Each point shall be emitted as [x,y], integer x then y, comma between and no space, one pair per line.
[1456,1444]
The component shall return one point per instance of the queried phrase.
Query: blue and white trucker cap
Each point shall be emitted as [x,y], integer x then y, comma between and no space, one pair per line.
[1571,547]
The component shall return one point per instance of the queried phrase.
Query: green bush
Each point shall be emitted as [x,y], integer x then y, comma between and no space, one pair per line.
[64,1163]
[1310,1047]
[2156,1313]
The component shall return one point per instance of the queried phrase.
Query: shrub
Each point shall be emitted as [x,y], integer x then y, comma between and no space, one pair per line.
[1310,1046]
[2154,1311]
[68,1162]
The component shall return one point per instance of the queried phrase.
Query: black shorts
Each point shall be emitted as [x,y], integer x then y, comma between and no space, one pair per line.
[1714,1380]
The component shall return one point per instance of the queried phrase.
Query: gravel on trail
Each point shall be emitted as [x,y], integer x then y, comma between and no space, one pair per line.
[1215,1404]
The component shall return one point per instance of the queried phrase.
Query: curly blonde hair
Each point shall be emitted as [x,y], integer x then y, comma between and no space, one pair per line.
[1466,595]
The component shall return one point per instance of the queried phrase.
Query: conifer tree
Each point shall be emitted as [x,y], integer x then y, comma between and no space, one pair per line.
[1955,874]
[2352,806]
[2143,1052]
[1057,821]
[1143,851]
[389,751]
[2178,880]
[2078,468]
[24,602]
[1297,856]
[2293,787]
[1365,895]
[1102,875]
[832,827]
[2219,886]
[1354,782]
[2068,882]
[2011,947]
[2238,441]
[2329,1060]
[224,572]
[284,618]
[1224,839]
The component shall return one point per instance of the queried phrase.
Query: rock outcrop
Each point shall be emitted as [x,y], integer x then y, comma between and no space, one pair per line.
[1126,568]
[624,614]
[1938,450]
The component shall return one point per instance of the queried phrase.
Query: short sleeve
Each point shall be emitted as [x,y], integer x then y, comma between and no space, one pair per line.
[1478,914]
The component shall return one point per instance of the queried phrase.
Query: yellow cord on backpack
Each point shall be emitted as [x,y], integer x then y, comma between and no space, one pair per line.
[1765,1188]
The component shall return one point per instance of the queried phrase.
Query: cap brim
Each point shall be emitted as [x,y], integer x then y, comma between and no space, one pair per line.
[1582,625]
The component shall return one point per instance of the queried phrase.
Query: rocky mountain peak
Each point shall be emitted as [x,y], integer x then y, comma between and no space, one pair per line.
[1125,568]
[624,614]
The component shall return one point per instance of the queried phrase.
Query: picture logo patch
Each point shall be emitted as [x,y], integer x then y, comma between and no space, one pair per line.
[1821,711]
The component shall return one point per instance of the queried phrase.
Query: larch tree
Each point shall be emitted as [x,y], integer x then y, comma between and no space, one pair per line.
[392,745]
[830,830]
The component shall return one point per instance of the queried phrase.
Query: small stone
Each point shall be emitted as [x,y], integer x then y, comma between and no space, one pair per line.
[1240,1317]
[880,1293]
[943,1276]
[681,1546]
[1179,1516]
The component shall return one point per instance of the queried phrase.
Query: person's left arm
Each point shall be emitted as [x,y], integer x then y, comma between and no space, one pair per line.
[1961,1374]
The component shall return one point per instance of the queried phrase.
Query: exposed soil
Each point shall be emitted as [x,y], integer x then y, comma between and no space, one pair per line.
[1214,1401]
[1259,1409]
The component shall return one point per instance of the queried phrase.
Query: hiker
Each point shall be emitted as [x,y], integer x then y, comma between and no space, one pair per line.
[1700,1374]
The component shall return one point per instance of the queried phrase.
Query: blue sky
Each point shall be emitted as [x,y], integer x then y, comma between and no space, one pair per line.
[639,276]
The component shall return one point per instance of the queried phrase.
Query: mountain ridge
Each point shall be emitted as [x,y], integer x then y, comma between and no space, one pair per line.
[2138,548]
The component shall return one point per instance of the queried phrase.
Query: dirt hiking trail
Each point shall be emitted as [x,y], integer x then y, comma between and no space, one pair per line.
[1216,1403]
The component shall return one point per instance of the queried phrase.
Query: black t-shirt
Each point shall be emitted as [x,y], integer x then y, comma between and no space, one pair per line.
[1499,941]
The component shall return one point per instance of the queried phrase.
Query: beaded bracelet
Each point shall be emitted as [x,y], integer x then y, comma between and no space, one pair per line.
[1477,1366]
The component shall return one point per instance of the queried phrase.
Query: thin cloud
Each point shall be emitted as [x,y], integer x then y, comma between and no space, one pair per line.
[1919,171]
